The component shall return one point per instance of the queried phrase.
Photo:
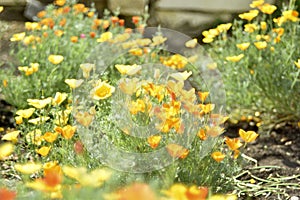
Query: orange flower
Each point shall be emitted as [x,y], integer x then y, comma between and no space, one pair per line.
[92,34]
[74,39]
[201,134]
[41,14]
[67,131]
[136,191]
[176,151]
[52,166]
[154,141]
[234,143]
[248,136]
[236,154]
[80,8]
[121,22]
[136,19]
[218,156]
[63,22]
[114,19]
[59,2]
[7,194]
[203,95]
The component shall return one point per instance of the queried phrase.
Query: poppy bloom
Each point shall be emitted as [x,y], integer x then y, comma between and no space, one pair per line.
[218,156]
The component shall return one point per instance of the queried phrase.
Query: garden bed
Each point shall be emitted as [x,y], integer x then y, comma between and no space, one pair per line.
[271,166]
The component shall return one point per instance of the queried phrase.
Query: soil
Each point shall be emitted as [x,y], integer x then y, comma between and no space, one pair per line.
[280,148]
[277,154]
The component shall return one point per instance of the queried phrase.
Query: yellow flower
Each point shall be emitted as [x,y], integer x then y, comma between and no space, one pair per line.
[261,45]
[128,86]
[143,41]
[218,156]
[248,136]
[102,91]
[50,137]
[206,108]
[128,69]
[235,58]
[32,26]
[43,151]
[263,25]
[136,51]
[34,137]
[39,120]
[249,15]
[74,83]
[154,141]
[85,119]
[94,179]
[6,149]
[257,3]
[1,8]
[234,143]
[86,69]
[34,67]
[105,37]
[224,27]
[28,168]
[250,28]
[55,59]
[11,136]
[19,120]
[39,103]
[267,8]
[157,40]
[59,98]
[25,113]
[208,39]
[18,37]
[137,106]
[297,63]
[176,61]
[291,15]
[191,43]
[243,46]
[181,76]
[5,83]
